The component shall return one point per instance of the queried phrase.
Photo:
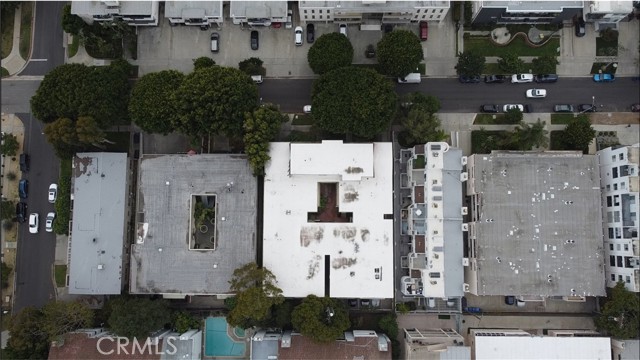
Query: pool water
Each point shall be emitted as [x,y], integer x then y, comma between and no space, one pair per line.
[217,341]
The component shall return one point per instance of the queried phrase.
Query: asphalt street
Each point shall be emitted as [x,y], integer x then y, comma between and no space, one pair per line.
[35,254]
[47,50]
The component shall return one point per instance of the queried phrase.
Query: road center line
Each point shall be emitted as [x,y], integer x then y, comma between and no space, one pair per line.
[38,59]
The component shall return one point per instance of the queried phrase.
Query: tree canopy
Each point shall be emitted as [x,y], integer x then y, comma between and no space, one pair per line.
[71,23]
[215,100]
[399,53]
[527,136]
[545,64]
[252,66]
[203,62]
[513,116]
[329,52]
[579,133]
[470,64]
[422,127]
[261,127]
[321,319]
[10,145]
[137,317]
[510,63]
[621,313]
[152,105]
[354,101]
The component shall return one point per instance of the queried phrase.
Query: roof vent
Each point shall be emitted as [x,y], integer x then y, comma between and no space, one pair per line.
[100,266]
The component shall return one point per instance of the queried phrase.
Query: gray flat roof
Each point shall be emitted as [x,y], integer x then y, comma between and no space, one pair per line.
[533,6]
[163,263]
[374,5]
[257,9]
[97,235]
[530,205]
[453,245]
[100,8]
[177,8]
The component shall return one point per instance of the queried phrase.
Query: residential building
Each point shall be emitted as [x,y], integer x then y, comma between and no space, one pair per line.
[196,224]
[607,14]
[99,195]
[620,196]
[194,13]
[356,344]
[625,349]
[496,344]
[434,344]
[535,226]
[328,219]
[134,13]
[525,12]
[432,222]
[373,13]
[258,13]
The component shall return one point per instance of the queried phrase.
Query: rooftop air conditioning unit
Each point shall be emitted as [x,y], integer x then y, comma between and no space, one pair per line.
[464,176]
[465,287]
[465,227]
[465,261]
[463,160]
[464,210]
[100,266]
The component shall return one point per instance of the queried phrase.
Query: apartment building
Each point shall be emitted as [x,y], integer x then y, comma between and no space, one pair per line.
[194,13]
[134,13]
[525,12]
[373,13]
[607,14]
[434,344]
[258,13]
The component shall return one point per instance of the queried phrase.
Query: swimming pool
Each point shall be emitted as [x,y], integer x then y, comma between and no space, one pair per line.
[217,339]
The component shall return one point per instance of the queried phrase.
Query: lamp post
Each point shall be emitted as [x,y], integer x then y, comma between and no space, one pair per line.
[593,101]
[330,314]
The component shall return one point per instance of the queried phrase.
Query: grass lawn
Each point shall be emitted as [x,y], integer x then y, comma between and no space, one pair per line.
[6,29]
[493,68]
[490,119]
[558,119]
[419,162]
[5,72]
[121,140]
[25,29]
[555,141]
[302,119]
[601,66]
[73,47]
[61,275]
[606,48]
[482,142]
[484,46]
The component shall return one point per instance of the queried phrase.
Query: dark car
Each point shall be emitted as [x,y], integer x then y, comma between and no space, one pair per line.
[388,28]
[424,30]
[473,310]
[489,108]
[580,28]
[311,33]
[23,188]
[546,78]
[466,79]
[25,160]
[494,79]
[510,300]
[21,212]
[563,108]
[635,108]
[587,108]
[215,42]
[255,44]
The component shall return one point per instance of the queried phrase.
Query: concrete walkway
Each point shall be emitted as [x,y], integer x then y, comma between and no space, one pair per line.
[14,63]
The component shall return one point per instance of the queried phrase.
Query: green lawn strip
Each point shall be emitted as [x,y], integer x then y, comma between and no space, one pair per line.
[302,119]
[484,47]
[25,29]
[73,47]
[121,140]
[63,203]
[490,119]
[484,143]
[6,29]
[559,119]
[493,68]
[61,275]
[603,66]
[419,162]
[5,72]
[606,48]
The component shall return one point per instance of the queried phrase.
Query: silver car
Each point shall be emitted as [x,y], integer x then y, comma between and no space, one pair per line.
[48,224]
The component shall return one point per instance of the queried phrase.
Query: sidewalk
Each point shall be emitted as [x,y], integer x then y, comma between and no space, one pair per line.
[14,63]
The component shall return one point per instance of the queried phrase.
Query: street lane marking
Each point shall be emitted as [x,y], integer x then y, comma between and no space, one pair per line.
[38,59]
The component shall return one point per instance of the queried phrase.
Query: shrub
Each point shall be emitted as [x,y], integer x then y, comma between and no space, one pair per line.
[63,202]
[6,271]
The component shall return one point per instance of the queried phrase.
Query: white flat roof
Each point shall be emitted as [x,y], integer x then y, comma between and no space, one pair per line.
[542,348]
[359,253]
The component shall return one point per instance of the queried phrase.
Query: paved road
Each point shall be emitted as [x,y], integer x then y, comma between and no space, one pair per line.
[16,95]
[47,50]
[35,255]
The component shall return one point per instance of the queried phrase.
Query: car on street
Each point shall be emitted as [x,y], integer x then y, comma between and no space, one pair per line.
[510,300]
[21,212]
[603,77]
[489,108]
[306,109]
[311,33]
[563,108]
[255,42]
[33,223]
[48,224]
[215,42]
[469,79]
[546,78]
[298,35]
[580,27]
[424,30]
[23,188]
[25,160]
[587,108]
[635,108]
[536,93]
[343,29]
[257,79]
[53,193]
[521,78]
[494,79]
[508,107]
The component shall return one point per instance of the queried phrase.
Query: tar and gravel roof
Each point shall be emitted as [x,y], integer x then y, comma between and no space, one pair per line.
[163,263]
[295,250]
[539,230]
[541,347]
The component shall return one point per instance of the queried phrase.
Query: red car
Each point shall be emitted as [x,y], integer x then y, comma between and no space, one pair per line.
[424,30]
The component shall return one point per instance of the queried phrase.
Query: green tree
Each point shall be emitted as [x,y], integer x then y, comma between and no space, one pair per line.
[510,63]
[353,100]
[138,317]
[422,127]
[214,100]
[256,292]
[513,116]
[88,132]
[6,271]
[470,63]
[28,338]
[61,134]
[322,319]
[8,209]
[61,317]
[72,24]
[260,127]
[620,316]
[429,104]
[184,321]
[203,62]
[252,66]
[399,53]
[579,133]
[329,52]
[7,6]
[545,64]
[9,145]
[152,105]
[389,324]
[60,93]
[527,136]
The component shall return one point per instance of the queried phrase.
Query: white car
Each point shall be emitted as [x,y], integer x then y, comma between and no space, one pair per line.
[343,29]
[306,109]
[298,32]
[33,223]
[521,78]
[536,93]
[48,224]
[257,79]
[53,193]
[513,106]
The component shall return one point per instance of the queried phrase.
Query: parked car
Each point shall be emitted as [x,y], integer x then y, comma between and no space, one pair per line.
[635,108]
[580,27]
[48,224]
[298,35]
[412,78]
[536,93]
[508,107]
[343,29]
[510,300]
[563,108]
[521,78]
[587,108]
[603,77]
[33,223]
[311,33]
[488,108]
[23,188]
[546,78]
[306,109]
[21,212]
[469,79]
[473,310]
[257,79]
[494,79]
[25,161]
[53,193]
[215,42]
[424,30]
[255,43]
